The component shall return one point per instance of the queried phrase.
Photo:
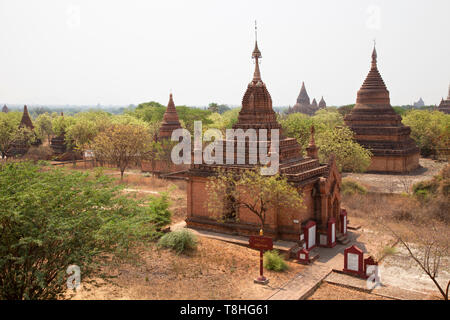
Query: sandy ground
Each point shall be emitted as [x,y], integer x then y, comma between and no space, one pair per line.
[328,291]
[217,270]
[390,183]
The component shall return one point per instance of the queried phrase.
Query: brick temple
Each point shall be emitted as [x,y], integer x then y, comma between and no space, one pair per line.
[318,222]
[5,109]
[170,123]
[19,148]
[58,143]
[303,104]
[444,106]
[379,128]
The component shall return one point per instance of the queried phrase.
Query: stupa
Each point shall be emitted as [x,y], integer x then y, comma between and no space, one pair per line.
[170,120]
[169,124]
[303,104]
[322,104]
[5,109]
[315,224]
[444,106]
[19,148]
[379,128]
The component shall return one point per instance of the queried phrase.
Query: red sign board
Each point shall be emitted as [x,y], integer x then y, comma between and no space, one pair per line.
[260,243]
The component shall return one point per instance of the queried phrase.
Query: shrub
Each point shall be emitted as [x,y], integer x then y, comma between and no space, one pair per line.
[179,241]
[52,218]
[274,261]
[350,187]
[159,212]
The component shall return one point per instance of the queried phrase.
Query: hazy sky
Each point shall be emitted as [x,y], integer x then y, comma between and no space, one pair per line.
[122,52]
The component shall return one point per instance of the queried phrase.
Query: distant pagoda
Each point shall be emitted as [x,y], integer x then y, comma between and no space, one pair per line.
[5,109]
[444,106]
[322,104]
[303,104]
[58,143]
[19,148]
[378,127]
[170,120]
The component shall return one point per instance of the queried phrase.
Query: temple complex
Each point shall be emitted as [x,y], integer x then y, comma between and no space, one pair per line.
[317,223]
[169,124]
[303,104]
[58,144]
[444,106]
[19,148]
[5,109]
[379,128]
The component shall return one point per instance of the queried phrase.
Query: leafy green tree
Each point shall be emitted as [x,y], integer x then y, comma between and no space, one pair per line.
[10,133]
[224,121]
[121,144]
[429,129]
[344,110]
[229,191]
[350,156]
[53,218]
[43,126]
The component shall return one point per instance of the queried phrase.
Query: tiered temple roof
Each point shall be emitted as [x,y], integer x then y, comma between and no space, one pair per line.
[444,106]
[322,104]
[257,113]
[5,109]
[170,120]
[26,120]
[303,104]
[375,123]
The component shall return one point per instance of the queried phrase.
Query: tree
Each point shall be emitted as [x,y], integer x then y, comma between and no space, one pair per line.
[121,144]
[429,129]
[350,156]
[52,218]
[11,133]
[44,126]
[81,134]
[230,190]
[427,249]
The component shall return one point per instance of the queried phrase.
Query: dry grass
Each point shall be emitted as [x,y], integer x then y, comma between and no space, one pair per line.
[217,270]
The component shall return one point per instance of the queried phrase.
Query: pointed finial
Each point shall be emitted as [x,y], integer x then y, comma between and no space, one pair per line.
[256,32]
[374,54]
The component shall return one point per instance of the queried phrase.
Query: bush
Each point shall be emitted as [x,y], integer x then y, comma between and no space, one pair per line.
[52,218]
[350,187]
[179,241]
[158,210]
[274,261]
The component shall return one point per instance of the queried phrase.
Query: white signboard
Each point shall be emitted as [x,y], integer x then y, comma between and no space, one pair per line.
[311,236]
[353,262]
[302,256]
[333,232]
[345,224]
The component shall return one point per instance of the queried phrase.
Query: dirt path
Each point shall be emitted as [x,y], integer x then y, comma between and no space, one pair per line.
[402,183]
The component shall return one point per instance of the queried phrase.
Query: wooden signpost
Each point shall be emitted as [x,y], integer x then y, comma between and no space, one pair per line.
[262,244]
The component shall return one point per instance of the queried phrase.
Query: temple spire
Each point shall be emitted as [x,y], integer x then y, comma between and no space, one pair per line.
[374,55]
[256,55]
